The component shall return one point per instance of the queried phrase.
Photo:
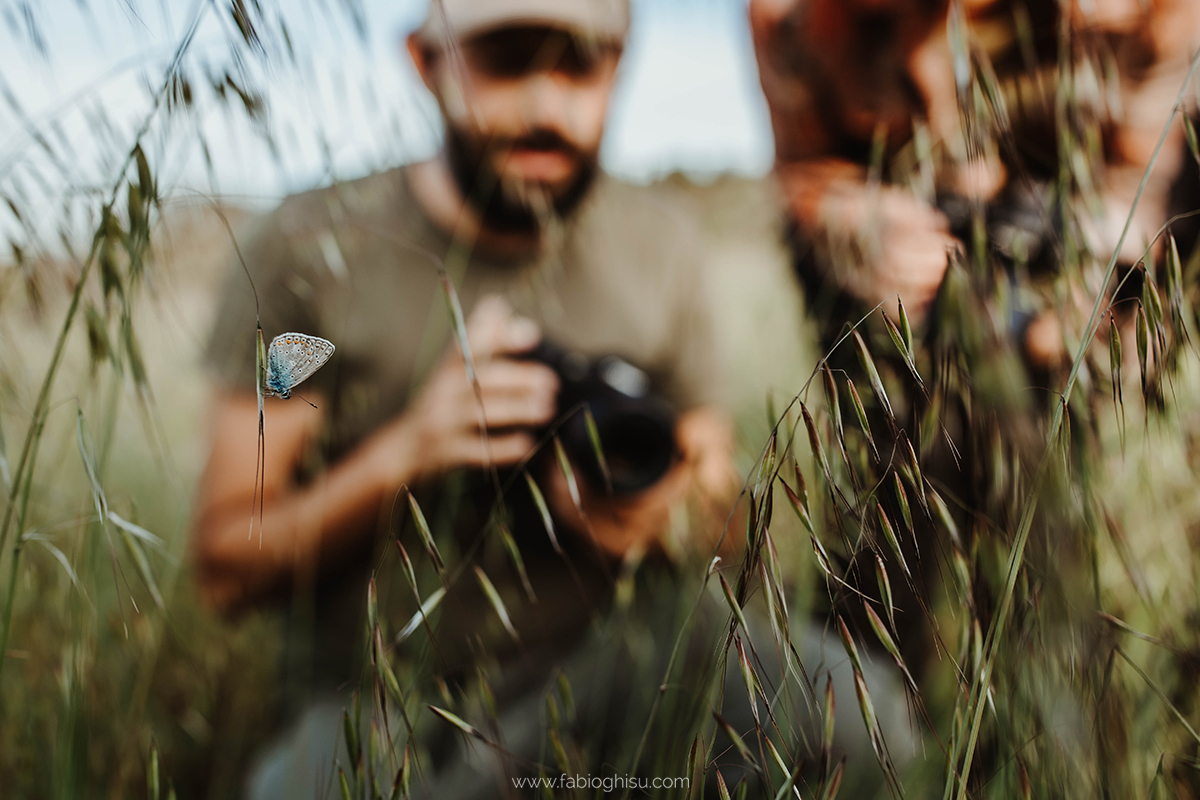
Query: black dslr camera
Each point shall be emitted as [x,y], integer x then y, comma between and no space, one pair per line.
[1024,225]
[636,426]
[1024,232]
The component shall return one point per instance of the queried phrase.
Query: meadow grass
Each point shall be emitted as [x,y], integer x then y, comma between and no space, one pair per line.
[1044,625]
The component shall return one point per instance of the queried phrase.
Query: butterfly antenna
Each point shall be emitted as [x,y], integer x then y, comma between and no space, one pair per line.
[305,399]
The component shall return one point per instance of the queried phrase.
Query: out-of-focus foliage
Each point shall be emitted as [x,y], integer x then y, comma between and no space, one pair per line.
[106,282]
[1042,613]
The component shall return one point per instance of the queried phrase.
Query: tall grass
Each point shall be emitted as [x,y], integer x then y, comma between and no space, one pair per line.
[1025,560]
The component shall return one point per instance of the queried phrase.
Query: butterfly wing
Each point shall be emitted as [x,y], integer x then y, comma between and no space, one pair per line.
[279,373]
[293,358]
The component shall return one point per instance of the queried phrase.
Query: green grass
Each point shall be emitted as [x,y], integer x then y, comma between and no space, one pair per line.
[1041,602]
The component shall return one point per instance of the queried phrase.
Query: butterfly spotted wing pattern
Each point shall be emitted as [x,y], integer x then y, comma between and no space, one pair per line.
[292,358]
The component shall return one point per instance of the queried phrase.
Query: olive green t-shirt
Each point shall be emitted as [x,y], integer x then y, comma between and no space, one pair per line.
[356,263]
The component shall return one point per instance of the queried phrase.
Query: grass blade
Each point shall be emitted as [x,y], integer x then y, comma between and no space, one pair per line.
[1193,142]
[944,516]
[153,788]
[848,644]
[58,555]
[737,740]
[889,533]
[732,602]
[828,708]
[722,791]
[885,589]
[5,473]
[904,348]
[861,413]
[137,531]
[835,781]
[431,602]
[89,466]
[814,441]
[905,328]
[831,397]
[426,536]
[799,505]
[1143,344]
[544,510]
[134,546]
[593,433]
[518,562]
[868,365]
[902,501]
[497,604]
[457,722]
[564,466]
[749,678]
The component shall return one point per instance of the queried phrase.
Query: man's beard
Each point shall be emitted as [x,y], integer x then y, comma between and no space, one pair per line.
[505,207]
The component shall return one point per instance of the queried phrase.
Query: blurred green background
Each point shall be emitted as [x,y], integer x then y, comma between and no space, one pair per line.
[96,675]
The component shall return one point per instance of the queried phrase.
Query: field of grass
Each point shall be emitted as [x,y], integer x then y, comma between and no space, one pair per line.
[1047,609]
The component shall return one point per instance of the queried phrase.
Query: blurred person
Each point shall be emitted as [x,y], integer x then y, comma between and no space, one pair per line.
[887,138]
[544,251]
[545,247]
[1006,137]
[976,161]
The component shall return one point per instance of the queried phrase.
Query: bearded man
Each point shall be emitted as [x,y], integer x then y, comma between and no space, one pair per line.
[515,220]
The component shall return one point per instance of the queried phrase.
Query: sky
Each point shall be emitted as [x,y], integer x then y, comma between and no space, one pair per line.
[688,96]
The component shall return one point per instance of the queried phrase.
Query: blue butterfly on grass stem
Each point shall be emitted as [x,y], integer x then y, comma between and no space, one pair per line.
[291,359]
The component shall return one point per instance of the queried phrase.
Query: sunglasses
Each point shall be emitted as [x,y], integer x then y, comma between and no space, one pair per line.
[518,52]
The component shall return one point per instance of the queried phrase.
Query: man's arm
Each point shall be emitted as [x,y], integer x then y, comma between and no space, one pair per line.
[902,240]
[300,527]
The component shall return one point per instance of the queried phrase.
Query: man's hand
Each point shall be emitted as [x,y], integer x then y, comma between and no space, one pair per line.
[905,243]
[636,524]
[884,242]
[446,428]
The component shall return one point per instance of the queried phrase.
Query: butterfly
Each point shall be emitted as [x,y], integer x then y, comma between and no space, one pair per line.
[292,358]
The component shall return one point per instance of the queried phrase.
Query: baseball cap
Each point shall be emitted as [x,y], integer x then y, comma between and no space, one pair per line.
[599,19]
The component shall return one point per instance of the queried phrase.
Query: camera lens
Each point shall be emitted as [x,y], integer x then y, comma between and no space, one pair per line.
[636,427]
[638,449]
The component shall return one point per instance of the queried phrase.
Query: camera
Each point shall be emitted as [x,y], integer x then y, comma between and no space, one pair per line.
[636,426]
[1024,225]
[1024,233]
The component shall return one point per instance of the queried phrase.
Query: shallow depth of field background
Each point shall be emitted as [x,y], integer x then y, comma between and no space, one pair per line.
[90,681]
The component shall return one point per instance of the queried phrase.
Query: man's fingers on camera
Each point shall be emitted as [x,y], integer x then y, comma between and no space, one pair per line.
[924,227]
[516,393]
[909,215]
[494,330]
[486,322]
[935,220]
[520,335]
[508,411]
[500,450]
[920,256]
[506,376]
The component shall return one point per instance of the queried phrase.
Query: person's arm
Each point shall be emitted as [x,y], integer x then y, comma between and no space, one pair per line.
[899,241]
[241,558]
[323,523]
[1166,34]
[879,243]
